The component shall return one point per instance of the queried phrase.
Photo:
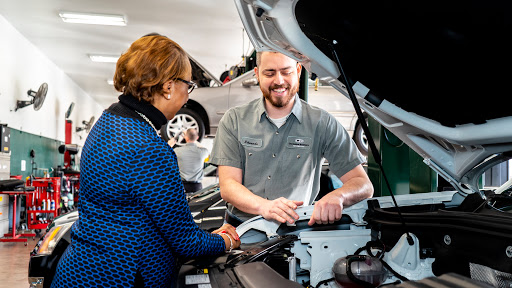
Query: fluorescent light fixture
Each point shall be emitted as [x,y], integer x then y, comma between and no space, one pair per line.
[110,81]
[104,58]
[98,19]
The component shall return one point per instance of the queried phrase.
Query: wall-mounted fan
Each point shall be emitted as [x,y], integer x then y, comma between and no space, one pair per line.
[37,98]
[70,109]
[88,125]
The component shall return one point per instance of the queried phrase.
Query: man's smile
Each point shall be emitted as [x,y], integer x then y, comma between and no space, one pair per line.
[279,91]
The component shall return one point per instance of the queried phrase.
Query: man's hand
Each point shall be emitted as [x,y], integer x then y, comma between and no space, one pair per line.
[327,210]
[171,142]
[280,209]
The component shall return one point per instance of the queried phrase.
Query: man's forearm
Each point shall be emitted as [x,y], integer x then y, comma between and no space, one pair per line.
[232,191]
[354,191]
[238,195]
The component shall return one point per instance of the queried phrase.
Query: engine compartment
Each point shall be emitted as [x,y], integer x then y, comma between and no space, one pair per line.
[449,236]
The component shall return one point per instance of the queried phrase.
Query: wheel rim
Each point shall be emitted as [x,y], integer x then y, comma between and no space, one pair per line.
[361,137]
[180,123]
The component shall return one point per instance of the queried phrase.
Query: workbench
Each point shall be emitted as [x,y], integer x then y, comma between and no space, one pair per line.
[13,237]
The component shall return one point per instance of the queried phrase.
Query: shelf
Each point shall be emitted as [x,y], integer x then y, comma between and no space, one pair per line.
[39,225]
[42,211]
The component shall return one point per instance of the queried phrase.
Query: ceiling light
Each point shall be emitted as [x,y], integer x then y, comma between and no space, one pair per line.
[110,81]
[99,19]
[104,58]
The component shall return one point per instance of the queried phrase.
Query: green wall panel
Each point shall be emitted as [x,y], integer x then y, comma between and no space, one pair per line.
[406,172]
[47,155]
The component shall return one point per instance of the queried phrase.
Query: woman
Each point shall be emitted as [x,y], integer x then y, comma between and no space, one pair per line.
[134,219]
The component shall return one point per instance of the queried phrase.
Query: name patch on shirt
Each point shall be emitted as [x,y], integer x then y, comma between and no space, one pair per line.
[251,142]
[299,142]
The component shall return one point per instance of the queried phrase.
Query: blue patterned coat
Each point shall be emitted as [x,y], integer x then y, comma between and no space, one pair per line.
[134,217]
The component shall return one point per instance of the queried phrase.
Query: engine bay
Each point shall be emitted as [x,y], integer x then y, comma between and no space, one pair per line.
[442,234]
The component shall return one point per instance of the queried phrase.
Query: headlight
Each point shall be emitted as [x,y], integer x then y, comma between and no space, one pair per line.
[36,282]
[51,238]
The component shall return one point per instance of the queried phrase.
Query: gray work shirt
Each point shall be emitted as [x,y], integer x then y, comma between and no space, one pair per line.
[286,161]
[191,161]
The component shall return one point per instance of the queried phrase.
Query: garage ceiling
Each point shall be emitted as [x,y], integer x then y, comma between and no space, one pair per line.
[210,31]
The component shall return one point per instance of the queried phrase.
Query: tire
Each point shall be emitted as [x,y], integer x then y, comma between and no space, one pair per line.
[360,138]
[223,76]
[184,119]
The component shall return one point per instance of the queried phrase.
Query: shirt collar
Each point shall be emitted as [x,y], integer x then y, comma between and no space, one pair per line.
[296,110]
[155,116]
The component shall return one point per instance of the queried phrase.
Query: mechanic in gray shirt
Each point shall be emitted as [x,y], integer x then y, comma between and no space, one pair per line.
[191,158]
[269,152]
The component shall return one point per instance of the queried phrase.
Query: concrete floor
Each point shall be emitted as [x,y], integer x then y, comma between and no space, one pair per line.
[14,258]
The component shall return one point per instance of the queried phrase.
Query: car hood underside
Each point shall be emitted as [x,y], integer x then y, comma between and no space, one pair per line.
[433,73]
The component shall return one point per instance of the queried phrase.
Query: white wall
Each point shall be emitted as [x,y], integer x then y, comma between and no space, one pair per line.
[24,67]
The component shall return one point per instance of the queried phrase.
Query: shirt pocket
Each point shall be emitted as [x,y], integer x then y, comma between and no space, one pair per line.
[254,161]
[297,165]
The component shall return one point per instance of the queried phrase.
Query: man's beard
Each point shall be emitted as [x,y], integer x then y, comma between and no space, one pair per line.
[280,101]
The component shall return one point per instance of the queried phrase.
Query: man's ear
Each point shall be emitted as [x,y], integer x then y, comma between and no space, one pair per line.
[299,69]
[256,71]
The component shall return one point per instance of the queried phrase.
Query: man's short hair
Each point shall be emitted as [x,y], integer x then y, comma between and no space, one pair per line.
[258,56]
[192,134]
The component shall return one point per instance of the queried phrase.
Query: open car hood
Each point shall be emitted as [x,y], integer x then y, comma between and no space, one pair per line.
[201,76]
[433,73]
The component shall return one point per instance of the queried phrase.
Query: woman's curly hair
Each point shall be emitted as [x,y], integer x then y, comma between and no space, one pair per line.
[150,62]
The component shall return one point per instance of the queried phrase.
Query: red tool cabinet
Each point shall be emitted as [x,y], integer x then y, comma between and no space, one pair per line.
[40,210]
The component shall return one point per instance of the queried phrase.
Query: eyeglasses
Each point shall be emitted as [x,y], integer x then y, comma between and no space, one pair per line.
[191,85]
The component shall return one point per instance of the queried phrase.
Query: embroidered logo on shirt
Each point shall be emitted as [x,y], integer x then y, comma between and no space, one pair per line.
[299,142]
[251,142]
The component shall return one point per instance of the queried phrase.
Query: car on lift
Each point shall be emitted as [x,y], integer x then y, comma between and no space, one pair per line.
[417,70]
[208,103]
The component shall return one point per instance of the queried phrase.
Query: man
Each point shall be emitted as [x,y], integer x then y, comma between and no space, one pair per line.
[191,160]
[269,152]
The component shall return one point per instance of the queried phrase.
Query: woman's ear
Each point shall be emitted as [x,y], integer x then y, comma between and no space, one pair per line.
[168,88]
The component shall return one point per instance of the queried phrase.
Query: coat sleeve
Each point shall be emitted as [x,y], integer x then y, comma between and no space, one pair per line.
[159,190]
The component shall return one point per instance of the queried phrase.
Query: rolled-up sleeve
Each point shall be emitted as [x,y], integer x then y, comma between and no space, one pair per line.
[340,150]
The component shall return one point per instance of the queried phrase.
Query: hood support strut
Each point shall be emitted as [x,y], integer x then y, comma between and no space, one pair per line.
[373,147]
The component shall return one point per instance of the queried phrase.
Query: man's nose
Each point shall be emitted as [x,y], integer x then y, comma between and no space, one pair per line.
[279,79]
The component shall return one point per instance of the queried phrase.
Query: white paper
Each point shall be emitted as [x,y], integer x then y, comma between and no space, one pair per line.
[197,279]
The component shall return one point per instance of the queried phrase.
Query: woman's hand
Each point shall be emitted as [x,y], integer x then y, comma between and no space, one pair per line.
[228,233]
